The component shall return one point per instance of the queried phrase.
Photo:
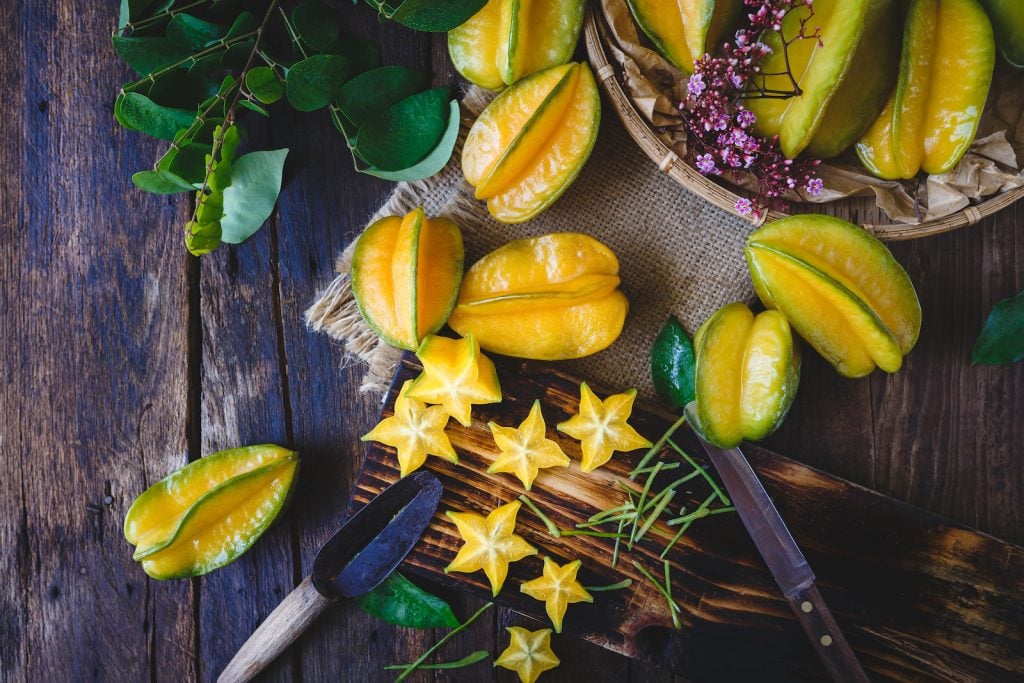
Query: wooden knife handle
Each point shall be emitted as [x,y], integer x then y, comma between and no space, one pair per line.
[835,653]
[279,630]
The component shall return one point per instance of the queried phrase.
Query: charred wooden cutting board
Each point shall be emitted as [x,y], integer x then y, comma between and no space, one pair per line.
[918,597]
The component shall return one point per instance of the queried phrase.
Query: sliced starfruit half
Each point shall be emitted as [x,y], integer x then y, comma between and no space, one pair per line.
[551,297]
[405,276]
[455,375]
[933,113]
[683,31]
[531,141]
[510,39]
[209,512]
[748,370]
[840,288]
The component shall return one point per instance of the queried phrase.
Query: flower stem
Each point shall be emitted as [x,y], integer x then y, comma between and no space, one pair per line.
[656,448]
[552,528]
[711,480]
[625,583]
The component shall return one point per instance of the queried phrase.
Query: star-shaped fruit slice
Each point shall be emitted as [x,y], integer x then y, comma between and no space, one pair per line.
[528,653]
[415,431]
[455,375]
[489,543]
[526,450]
[602,427]
[556,588]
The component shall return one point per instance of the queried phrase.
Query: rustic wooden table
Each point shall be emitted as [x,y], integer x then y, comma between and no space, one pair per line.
[126,357]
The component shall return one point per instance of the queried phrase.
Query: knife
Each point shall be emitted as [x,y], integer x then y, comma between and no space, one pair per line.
[364,552]
[783,557]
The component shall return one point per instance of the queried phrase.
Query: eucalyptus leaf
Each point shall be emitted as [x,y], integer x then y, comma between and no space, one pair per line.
[263,83]
[313,82]
[401,602]
[1002,338]
[237,55]
[192,33]
[202,238]
[361,53]
[250,198]
[404,134]
[316,23]
[373,92]
[244,23]
[252,106]
[186,160]
[429,15]
[137,112]
[161,182]
[146,55]
[433,162]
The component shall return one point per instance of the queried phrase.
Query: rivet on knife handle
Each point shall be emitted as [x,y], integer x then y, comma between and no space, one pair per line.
[828,641]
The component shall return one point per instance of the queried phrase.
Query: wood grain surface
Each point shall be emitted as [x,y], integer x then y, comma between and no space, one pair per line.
[125,358]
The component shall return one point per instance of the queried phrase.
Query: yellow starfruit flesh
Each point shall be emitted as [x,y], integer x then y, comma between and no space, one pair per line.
[154,517]
[489,543]
[557,588]
[200,519]
[525,450]
[414,431]
[875,148]
[476,45]
[528,653]
[456,376]
[683,31]
[602,427]
[718,374]
[547,298]
[405,276]
[769,375]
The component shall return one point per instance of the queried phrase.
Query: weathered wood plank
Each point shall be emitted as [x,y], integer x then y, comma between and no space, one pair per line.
[94,378]
[893,583]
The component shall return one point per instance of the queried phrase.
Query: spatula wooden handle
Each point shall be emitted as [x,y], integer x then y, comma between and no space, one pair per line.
[286,623]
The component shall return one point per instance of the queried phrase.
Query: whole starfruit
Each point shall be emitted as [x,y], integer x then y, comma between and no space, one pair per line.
[685,31]
[548,298]
[209,512]
[510,39]
[747,373]
[405,276]
[840,288]
[531,141]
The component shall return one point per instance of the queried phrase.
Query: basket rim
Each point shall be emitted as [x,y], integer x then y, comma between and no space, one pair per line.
[607,73]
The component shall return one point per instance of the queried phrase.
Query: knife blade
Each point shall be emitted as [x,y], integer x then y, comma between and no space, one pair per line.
[783,556]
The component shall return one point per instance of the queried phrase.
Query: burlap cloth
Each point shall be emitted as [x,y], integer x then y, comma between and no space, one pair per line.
[678,254]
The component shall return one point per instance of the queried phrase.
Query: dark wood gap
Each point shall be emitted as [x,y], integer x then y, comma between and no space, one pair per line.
[194,424]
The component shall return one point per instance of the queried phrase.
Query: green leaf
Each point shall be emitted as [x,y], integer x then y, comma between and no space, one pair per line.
[192,33]
[237,55]
[244,23]
[373,92]
[252,106]
[250,198]
[404,134]
[316,23]
[313,82]
[361,53]
[433,162]
[429,15]
[202,238]
[478,656]
[1002,339]
[161,182]
[146,55]
[262,82]
[673,364]
[401,602]
[187,161]
[137,112]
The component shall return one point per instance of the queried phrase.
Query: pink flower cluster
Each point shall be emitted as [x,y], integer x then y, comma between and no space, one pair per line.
[719,127]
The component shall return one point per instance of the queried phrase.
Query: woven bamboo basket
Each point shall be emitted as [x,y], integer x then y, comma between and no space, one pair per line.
[860,210]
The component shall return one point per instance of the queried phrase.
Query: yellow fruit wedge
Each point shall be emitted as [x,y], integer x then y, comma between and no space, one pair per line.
[530,143]
[719,374]
[508,40]
[455,375]
[548,298]
[913,89]
[851,256]
[875,149]
[225,522]
[683,31]
[154,517]
[769,375]
[405,276]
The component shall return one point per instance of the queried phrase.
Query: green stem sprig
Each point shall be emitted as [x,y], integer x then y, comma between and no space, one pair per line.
[410,668]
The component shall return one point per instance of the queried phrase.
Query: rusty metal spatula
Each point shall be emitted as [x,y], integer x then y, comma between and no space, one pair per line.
[367,548]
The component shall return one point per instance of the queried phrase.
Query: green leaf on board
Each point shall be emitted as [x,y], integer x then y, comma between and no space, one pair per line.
[673,364]
[373,92]
[429,15]
[161,182]
[399,601]
[192,33]
[316,23]
[146,55]
[202,238]
[250,198]
[433,162]
[313,82]
[263,83]
[187,161]
[1002,338]
[137,112]
[203,233]
[405,133]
